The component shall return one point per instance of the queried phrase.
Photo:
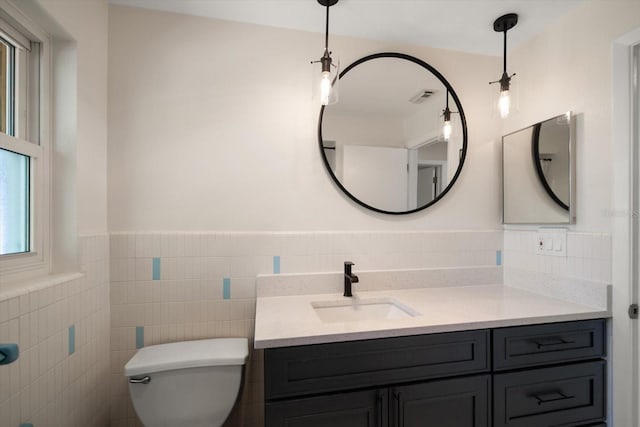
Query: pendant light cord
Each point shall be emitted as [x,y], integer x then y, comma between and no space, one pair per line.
[326,31]
[504,53]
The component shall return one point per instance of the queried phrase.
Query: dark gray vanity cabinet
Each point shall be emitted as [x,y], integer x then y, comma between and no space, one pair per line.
[527,376]
[308,385]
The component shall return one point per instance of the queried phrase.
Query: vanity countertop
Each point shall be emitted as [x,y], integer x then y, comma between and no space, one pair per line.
[283,321]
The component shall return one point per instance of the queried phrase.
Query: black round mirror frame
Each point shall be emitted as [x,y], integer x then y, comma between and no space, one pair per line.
[535,152]
[463,122]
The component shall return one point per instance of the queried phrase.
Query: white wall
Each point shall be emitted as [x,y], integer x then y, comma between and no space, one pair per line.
[568,67]
[212,127]
[86,22]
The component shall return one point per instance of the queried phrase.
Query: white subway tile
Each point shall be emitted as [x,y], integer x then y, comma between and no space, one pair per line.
[143,269]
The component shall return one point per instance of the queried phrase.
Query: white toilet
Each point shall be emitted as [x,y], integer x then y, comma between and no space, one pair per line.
[187,384]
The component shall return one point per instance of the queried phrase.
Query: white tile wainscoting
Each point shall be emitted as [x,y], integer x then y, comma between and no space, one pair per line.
[61,324]
[574,277]
[180,286]
[176,286]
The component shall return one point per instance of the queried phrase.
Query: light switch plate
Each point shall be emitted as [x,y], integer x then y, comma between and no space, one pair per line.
[551,242]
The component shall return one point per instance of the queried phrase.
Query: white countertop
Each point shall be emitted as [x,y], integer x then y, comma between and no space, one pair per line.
[283,321]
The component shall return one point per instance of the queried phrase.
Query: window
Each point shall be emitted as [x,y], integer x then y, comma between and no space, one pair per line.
[24,183]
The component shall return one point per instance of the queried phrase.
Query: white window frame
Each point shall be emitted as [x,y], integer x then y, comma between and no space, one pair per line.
[33,137]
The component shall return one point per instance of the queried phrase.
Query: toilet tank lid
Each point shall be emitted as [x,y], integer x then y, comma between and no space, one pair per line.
[188,354]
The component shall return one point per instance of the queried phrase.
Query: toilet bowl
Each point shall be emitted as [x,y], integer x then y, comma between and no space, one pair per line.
[187,384]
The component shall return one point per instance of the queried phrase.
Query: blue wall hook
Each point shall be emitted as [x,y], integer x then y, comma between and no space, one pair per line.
[8,353]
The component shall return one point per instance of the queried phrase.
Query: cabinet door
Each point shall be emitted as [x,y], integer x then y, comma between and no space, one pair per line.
[460,402]
[357,409]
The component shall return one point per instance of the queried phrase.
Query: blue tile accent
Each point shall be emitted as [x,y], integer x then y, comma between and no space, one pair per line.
[498,257]
[156,269]
[26,425]
[72,339]
[226,288]
[276,264]
[139,336]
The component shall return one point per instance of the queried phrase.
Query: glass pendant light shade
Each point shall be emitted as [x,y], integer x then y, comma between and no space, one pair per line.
[446,130]
[447,118]
[505,101]
[446,126]
[327,83]
[325,87]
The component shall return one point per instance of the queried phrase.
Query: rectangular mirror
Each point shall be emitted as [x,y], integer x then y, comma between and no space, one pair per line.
[538,179]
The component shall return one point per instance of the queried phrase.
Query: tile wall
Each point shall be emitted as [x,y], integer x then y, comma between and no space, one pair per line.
[176,286]
[576,276]
[62,327]
[179,286]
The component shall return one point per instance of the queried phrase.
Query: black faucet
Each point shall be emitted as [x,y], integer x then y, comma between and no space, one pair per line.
[349,278]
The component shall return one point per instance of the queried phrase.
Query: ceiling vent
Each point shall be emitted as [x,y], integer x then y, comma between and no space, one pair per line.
[422,96]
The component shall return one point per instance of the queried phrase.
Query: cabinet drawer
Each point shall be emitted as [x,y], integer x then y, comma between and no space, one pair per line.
[358,409]
[562,395]
[525,346]
[295,371]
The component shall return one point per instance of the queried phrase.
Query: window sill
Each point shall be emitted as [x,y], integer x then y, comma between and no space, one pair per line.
[17,288]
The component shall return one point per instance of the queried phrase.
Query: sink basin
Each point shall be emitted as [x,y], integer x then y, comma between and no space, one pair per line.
[353,310]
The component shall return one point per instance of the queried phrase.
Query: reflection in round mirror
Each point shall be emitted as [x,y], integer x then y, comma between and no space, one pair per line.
[384,143]
[551,157]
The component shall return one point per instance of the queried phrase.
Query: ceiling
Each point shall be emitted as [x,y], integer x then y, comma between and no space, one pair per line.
[464,25]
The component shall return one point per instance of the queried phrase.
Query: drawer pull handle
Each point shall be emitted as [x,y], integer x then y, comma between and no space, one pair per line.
[543,397]
[551,343]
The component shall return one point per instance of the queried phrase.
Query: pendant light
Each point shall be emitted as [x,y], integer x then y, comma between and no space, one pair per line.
[505,100]
[330,70]
[446,115]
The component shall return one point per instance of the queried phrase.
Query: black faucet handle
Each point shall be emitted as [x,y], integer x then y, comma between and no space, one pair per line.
[347,267]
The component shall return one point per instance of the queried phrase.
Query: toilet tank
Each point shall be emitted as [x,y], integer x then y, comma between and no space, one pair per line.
[187,384]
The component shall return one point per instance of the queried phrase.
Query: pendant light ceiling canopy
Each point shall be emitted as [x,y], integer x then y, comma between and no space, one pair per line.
[502,25]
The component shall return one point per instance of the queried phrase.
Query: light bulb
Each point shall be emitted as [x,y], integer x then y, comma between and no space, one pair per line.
[325,87]
[504,103]
[446,130]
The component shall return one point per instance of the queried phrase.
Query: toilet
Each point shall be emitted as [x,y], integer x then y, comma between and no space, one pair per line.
[188,383]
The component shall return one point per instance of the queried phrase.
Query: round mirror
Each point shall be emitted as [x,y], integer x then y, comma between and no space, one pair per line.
[385,142]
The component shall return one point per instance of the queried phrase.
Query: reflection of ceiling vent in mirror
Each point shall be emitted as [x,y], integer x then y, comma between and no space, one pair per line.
[422,96]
